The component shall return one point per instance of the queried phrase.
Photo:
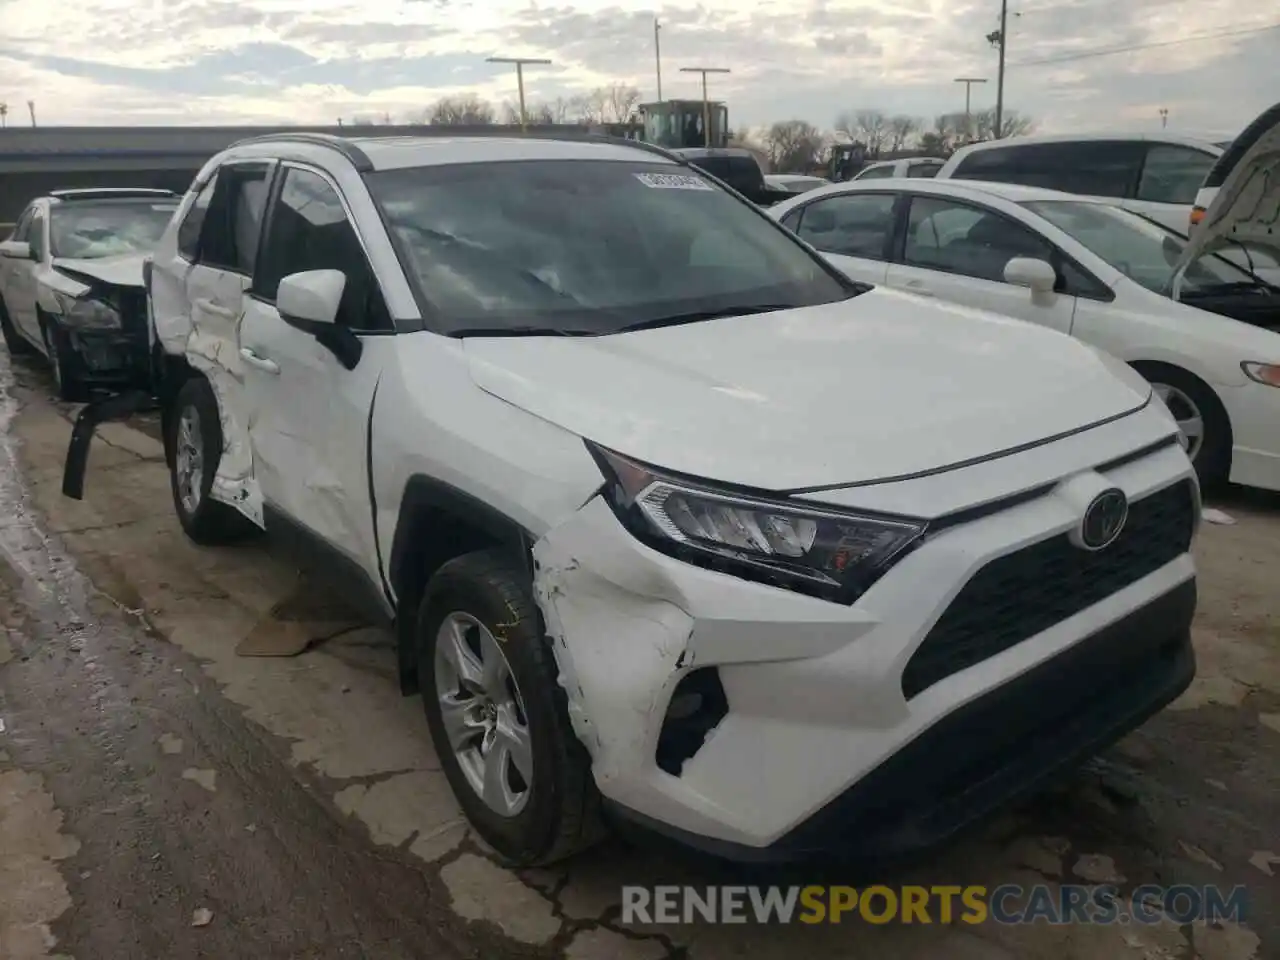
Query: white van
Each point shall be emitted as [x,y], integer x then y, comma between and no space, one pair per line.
[1156,175]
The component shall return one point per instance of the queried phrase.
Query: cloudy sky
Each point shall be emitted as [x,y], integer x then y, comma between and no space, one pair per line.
[1073,64]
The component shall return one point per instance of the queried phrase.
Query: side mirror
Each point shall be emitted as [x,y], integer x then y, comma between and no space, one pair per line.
[16,250]
[312,296]
[1038,275]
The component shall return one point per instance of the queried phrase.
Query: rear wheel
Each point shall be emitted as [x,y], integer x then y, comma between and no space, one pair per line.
[13,340]
[195,442]
[497,713]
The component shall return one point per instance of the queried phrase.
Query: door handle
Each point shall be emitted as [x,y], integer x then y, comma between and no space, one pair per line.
[259,363]
[208,306]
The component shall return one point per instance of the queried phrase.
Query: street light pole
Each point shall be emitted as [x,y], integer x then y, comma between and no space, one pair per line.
[520,63]
[1164,117]
[706,103]
[968,112]
[657,54]
[1004,43]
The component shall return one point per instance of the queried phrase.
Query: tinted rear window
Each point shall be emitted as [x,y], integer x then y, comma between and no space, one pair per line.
[1101,168]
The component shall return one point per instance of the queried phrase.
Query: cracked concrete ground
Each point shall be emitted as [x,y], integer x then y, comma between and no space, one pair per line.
[149,770]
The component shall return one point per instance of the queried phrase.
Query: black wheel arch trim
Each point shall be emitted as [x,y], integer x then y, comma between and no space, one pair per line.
[423,496]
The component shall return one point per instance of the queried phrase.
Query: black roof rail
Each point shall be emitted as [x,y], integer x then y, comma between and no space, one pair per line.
[351,150]
[110,193]
[359,159]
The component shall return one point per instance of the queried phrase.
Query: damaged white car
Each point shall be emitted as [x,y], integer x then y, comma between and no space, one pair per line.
[674,522]
[71,284]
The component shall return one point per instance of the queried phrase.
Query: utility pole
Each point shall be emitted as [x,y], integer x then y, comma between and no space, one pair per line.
[706,104]
[520,63]
[31,108]
[968,112]
[1000,39]
[4,115]
[657,54]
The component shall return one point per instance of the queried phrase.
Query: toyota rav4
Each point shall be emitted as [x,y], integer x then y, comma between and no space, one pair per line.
[672,521]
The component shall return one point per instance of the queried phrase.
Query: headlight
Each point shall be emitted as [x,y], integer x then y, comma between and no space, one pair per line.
[1268,373]
[88,314]
[826,553]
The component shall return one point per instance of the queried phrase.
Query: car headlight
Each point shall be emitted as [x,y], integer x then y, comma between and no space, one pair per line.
[823,552]
[1268,373]
[88,313]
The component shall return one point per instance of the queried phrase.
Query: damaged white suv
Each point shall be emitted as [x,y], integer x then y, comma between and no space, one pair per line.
[665,511]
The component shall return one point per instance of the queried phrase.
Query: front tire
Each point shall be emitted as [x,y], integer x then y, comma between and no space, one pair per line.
[62,361]
[1201,418]
[195,442]
[497,714]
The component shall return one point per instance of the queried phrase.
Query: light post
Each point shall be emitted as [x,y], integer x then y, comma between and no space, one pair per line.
[968,113]
[1164,117]
[520,63]
[706,104]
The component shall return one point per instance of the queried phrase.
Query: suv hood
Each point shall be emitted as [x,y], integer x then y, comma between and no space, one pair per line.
[1246,208]
[881,386]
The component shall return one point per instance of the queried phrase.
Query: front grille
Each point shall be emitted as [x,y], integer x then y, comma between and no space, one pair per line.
[1019,595]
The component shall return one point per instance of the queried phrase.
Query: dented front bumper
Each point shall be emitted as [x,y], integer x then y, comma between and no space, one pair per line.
[789,703]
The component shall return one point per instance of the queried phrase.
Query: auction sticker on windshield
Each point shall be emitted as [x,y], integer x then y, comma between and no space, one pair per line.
[673,181]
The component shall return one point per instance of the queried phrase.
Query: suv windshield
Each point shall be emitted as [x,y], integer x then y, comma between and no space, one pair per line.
[589,247]
[1141,249]
[87,231]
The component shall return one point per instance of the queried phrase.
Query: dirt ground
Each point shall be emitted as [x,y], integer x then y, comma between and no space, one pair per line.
[164,796]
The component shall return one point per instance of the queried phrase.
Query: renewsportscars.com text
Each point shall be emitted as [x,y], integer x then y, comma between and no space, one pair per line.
[1007,904]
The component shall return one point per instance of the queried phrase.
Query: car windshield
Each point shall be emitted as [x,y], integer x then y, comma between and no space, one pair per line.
[589,247]
[87,231]
[1141,249]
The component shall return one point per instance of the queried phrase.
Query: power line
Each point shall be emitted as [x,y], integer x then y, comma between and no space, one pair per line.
[1108,51]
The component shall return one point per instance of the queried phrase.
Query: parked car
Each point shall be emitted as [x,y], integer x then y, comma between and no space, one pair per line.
[1156,175]
[794,182]
[71,283]
[905,167]
[1094,271]
[1254,153]
[669,516]
[738,168]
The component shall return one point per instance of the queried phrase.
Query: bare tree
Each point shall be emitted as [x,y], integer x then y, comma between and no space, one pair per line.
[793,146]
[539,114]
[871,127]
[620,100]
[901,129]
[460,111]
[1015,124]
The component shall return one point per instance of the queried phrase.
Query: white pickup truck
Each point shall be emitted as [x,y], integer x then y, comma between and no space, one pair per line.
[671,520]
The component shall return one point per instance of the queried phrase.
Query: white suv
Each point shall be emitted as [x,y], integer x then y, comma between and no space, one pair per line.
[664,510]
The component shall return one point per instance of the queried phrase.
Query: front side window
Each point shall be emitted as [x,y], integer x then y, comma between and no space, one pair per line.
[23,228]
[1141,249]
[36,236]
[193,222]
[852,224]
[229,238]
[87,230]
[1173,174]
[309,230]
[967,240]
[589,247]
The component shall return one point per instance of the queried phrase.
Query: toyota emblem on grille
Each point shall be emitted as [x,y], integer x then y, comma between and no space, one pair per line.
[1104,519]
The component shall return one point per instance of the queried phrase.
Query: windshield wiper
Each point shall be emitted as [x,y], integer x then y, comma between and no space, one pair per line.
[1218,289]
[695,316]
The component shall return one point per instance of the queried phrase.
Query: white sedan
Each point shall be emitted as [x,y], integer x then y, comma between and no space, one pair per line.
[1088,269]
